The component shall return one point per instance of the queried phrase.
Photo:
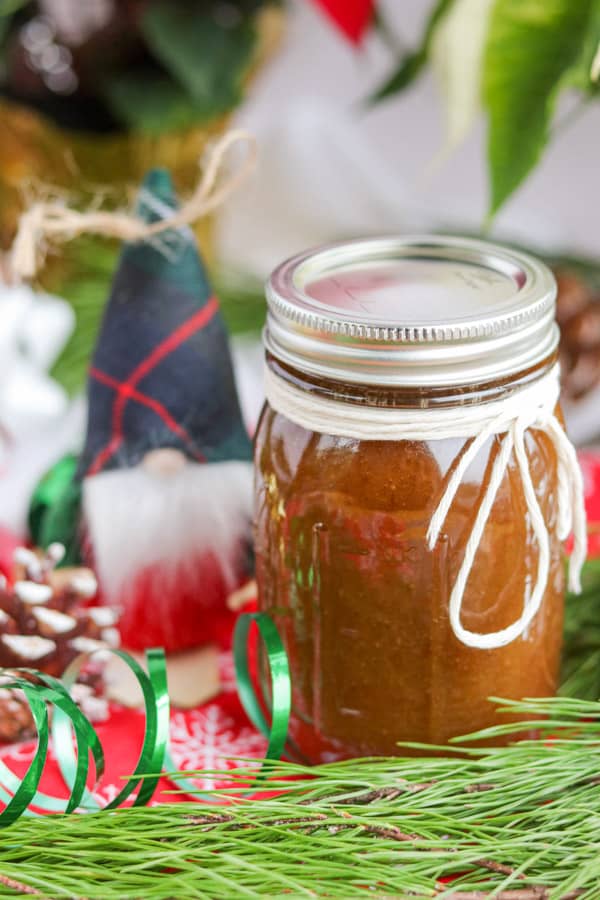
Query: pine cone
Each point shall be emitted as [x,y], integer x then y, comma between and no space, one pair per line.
[16,722]
[45,625]
[578,314]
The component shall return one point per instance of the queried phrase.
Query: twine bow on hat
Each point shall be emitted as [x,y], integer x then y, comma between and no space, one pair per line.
[54,222]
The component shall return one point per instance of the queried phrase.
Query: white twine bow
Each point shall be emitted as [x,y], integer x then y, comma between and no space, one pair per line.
[529,408]
[54,221]
[519,413]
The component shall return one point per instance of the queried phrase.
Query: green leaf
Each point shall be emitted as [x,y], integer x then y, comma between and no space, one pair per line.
[579,75]
[208,58]
[381,26]
[456,58]
[242,300]
[7,10]
[10,7]
[145,101]
[87,293]
[531,44]
[4,26]
[412,64]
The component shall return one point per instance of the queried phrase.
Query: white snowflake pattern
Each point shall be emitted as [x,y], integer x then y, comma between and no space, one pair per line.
[23,752]
[227,672]
[106,793]
[208,739]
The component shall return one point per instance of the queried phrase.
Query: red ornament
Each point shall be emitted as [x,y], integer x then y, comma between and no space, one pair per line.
[8,544]
[589,461]
[352,17]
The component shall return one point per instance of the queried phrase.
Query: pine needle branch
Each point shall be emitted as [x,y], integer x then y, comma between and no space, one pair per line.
[510,821]
[17,887]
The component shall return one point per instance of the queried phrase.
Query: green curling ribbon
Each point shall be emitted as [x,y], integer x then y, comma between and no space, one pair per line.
[19,794]
[281,694]
[281,685]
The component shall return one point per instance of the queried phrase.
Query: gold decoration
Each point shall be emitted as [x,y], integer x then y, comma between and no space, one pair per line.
[36,154]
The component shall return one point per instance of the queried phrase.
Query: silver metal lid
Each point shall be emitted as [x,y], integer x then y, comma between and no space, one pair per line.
[416,310]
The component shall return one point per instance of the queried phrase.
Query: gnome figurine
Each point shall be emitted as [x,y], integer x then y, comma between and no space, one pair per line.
[165,473]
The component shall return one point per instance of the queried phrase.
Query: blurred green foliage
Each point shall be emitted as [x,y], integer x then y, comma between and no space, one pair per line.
[527,55]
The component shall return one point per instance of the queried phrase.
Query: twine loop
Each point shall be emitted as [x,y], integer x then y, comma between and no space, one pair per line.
[54,222]
[529,408]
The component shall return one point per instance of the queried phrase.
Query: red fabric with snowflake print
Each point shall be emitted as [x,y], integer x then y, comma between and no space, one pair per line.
[207,737]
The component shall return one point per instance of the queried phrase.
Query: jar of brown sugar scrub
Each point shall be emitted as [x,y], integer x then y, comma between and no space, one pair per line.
[414,486]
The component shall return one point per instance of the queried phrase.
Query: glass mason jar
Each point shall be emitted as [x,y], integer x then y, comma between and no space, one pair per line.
[425,332]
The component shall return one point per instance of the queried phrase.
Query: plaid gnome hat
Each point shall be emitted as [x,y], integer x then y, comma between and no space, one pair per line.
[161,375]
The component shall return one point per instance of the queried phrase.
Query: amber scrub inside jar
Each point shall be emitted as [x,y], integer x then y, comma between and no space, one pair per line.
[362,337]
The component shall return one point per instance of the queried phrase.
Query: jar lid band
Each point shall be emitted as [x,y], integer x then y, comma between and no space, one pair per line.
[531,407]
[412,310]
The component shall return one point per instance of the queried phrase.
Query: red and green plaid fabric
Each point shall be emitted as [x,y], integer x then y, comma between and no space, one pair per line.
[161,375]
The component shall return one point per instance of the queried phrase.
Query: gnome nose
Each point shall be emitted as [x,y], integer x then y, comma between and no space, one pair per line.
[164,462]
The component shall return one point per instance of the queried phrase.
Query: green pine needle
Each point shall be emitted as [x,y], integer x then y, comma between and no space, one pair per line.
[580,674]
[516,822]
[524,817]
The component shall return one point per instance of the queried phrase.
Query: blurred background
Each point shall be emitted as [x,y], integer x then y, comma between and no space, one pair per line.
[474,116]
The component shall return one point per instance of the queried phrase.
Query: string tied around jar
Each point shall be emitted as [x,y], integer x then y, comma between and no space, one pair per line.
[524,410]
[530,408]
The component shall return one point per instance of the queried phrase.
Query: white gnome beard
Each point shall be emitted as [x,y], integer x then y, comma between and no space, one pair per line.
[137,519]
